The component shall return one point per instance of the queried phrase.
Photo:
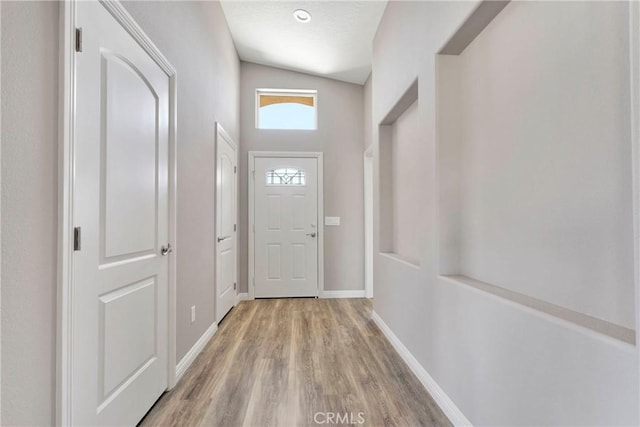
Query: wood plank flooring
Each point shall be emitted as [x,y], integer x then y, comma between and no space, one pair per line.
[293,362]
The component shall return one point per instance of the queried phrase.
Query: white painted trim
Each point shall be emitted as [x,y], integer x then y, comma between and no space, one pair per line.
[445,403]
[369,151]
[126,20]
[66,158]
[222,134]
[0,223]
[250,230]
[242,296]
[634,74]
[66,113]
[368,160]
[272,91]
[173,227]
[194,351]
[360,293]
[320,223]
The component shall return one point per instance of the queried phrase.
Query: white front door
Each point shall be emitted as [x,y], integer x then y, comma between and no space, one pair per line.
[226,202]
[286,227]
[120,203]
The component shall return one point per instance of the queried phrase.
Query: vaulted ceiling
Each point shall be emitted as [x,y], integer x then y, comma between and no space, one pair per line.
[335,43]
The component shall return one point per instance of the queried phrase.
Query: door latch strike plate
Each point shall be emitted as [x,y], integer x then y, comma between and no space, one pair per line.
[78,39]
[77,239]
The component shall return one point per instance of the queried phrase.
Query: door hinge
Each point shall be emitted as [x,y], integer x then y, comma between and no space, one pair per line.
[234,285]
[254,228]
[254,174]
[254,282]
[235,227]
[78,39]
[77,239]
[235,169]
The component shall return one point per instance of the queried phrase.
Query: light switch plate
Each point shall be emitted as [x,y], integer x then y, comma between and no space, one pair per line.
[332,220]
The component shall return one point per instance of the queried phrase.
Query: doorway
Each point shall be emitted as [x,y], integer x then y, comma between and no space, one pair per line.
[116,264]
[286,237]
[226,223]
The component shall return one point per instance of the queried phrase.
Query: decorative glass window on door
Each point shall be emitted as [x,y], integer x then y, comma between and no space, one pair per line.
[286,176]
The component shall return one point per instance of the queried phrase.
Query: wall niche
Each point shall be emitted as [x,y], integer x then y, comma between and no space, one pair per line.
[401,198]
[535,187]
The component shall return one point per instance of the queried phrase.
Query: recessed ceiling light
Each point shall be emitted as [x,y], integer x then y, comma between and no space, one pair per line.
[302,15]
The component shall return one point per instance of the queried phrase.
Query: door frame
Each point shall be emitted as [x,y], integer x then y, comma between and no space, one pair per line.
[368,221]
[634,59]
[250,224]
[66,184]
[222,134]
[0,222]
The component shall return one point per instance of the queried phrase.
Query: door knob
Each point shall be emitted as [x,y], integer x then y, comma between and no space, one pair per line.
[220,239]
[166,250]
[311,234]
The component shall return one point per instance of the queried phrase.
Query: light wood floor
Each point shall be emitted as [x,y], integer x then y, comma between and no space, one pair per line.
[279,362]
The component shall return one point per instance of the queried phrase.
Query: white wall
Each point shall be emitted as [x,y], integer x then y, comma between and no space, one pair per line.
[340,137]
[406,176]
[546,197]
[501,363]
[195,38]
[29,210]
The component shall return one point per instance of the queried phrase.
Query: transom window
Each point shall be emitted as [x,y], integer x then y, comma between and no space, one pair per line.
[286,109]
[286,176]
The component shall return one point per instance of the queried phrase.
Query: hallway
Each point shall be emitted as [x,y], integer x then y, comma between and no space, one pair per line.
[285,361]
[440,198]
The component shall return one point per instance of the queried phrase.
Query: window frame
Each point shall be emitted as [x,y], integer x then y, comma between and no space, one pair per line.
[300,171]
[311,93]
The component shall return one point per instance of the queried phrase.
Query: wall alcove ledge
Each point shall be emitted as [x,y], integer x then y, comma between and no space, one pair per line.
[401,199]
[535,198]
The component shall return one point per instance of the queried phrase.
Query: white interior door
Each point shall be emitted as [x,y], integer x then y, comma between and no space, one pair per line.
[120,203]
[226,205]
[286,227]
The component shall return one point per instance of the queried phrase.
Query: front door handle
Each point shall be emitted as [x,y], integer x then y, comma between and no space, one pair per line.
[166,250]
[311,234]
[220,239]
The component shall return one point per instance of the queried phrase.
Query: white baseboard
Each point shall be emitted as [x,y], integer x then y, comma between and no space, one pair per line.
[445,403]
[191,355]
[242,296]
[344,294]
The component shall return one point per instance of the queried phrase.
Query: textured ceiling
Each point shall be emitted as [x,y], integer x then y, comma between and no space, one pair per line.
[335,44]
